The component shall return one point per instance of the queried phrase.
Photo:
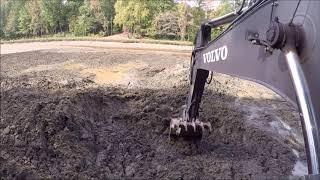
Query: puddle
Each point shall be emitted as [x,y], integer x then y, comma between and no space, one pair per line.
[51,67]
[40,68]
[104,76]
[73,66]
[116,74]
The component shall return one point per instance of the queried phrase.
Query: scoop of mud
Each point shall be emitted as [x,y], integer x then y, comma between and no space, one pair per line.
[114,132]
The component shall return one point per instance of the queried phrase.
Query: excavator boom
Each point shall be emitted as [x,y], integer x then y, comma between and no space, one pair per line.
[275,43]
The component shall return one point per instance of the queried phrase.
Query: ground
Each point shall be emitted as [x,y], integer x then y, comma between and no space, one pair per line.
[102,110]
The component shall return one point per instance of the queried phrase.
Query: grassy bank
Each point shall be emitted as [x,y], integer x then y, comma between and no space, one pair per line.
[97,38]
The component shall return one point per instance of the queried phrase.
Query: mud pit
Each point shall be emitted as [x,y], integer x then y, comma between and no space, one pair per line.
[87,112]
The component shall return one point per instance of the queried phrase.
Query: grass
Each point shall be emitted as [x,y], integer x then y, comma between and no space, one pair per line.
[94,38]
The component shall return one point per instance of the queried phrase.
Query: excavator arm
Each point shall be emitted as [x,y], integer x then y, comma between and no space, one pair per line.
[275,43]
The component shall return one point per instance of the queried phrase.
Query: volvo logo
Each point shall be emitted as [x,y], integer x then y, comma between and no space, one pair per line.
[216,55]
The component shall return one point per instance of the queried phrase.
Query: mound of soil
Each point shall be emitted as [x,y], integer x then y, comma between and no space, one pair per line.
[112,132]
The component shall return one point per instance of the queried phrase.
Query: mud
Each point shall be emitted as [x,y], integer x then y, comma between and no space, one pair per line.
[105,114]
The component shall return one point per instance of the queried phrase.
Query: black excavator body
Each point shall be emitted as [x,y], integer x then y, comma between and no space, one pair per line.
[275,43]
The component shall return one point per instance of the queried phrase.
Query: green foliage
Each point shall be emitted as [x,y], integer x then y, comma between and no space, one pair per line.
[180,22]
[11,23]
[37,25]
[183,14]
[224,8]
[5,7]
[157,7]
[197,17]
[136,16]
[166,25]
[73,22]
[132,15]
[24,20]
[105,14]
[71,8]
[53,13]
[11,27]
[85,21]
[71,13]
[168,19]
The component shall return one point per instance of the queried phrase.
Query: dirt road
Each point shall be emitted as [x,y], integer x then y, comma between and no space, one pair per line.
[102,110]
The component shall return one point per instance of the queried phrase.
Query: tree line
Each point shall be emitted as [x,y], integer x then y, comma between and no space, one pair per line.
[160,19]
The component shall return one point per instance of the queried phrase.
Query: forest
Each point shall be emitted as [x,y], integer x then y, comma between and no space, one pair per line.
[157,19]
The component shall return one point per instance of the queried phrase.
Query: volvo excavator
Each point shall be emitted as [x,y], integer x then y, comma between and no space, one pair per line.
[275,43]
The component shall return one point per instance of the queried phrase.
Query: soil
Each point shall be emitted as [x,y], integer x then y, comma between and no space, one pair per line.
[86,111]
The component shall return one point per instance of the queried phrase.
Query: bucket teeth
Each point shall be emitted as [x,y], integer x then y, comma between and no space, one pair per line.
[182,128]
[204,125]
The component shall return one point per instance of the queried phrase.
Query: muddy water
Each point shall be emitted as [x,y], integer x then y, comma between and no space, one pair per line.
[106,115]
[112,75]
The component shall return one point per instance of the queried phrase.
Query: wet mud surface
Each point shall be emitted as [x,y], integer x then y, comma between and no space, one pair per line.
[106,113]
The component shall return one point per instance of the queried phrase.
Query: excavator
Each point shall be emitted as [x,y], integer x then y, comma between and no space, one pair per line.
[275,43]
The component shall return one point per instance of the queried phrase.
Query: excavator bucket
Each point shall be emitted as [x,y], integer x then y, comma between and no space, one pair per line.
[187,128]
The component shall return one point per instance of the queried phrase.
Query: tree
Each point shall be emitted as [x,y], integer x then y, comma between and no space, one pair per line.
[71,12]
[155,18]
[105,15]
[183,21]
[24,22]
[38,26]
[166,25]
[5,6]
[189,19]
[136,16]
[11,21]
[197,16]
[86,22]
[53,14]
[224,8]
[157,7]
[132,15]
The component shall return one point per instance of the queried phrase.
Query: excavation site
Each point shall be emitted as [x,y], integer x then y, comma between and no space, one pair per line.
[102,110]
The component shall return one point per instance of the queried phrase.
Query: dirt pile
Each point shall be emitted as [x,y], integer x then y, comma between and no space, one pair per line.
[110,132]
